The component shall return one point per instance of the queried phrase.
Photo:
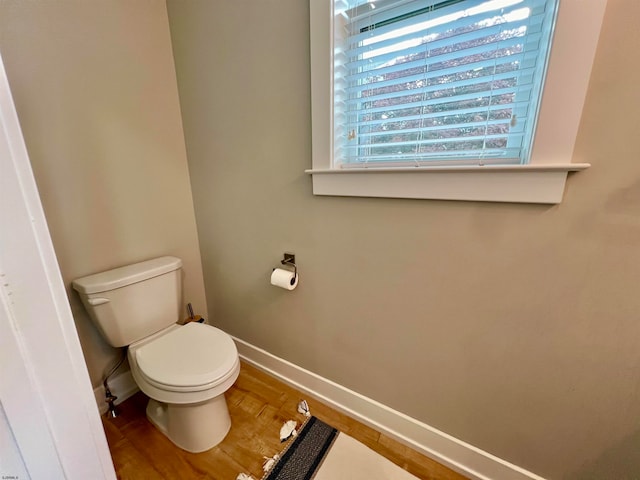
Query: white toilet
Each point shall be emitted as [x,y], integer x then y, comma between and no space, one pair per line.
[184,370]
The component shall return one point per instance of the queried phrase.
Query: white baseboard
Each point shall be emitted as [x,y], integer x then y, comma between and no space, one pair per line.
[122,386]
[445,449]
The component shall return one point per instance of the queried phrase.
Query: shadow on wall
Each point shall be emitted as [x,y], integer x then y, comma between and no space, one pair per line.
[620,462]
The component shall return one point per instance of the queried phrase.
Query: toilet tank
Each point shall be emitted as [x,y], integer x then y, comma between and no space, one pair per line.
[132,302]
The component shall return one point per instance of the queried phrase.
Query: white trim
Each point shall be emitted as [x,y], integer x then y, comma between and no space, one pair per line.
[11,459]
[520,184]
[19,398]
[574,45]
[480,169]
[44,388]
[122,386]
[450,451]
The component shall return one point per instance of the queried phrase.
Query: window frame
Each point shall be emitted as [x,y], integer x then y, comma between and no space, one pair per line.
[542,180]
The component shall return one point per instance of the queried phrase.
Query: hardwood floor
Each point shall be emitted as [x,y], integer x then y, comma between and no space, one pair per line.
[259,405]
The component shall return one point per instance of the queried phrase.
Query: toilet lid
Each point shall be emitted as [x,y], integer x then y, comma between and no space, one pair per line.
[193,355]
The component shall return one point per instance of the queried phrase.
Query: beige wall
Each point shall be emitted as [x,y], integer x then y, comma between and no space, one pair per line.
[513,327]
[95,89]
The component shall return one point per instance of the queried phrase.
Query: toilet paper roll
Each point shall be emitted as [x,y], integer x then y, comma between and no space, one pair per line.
[284,278]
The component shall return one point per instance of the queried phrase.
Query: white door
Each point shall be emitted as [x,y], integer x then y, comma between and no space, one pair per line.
[49,422]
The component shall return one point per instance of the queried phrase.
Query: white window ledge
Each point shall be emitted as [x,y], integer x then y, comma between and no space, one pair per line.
[490,183]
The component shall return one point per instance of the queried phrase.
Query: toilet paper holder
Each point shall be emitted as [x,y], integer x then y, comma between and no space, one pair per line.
[290,260]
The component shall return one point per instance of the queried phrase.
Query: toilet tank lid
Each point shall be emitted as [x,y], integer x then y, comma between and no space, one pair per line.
[123,276]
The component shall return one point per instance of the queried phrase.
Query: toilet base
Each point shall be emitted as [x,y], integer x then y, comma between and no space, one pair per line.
[192,427]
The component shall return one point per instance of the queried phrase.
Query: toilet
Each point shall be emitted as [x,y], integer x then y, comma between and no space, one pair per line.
[184,370]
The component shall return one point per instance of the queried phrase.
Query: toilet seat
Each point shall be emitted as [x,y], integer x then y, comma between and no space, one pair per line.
[191,358]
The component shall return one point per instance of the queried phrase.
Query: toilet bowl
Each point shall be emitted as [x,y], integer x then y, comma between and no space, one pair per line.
[183,369]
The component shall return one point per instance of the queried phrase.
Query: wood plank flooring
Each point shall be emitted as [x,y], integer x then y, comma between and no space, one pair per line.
[259,405]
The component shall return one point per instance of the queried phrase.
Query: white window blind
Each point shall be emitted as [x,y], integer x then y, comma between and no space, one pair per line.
[438,82]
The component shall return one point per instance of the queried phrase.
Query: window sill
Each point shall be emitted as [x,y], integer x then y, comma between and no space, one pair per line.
[490,183]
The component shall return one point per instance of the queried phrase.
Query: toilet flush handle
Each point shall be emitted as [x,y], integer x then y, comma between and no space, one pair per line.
[97,301]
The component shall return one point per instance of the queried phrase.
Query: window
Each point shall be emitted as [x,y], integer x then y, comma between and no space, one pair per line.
[453,81]
[439,98]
